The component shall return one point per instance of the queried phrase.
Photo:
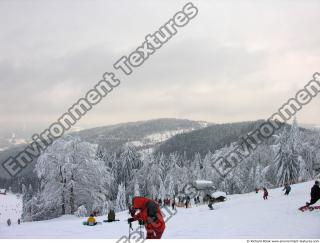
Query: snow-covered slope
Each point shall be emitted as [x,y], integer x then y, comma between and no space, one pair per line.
[241,216]
[10,207]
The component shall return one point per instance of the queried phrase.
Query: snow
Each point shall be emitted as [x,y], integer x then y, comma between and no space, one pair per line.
[147,143]
[241,216]
[3,149]
[202,184]
[163,136]
[10,207]
[16,141]
[218,194]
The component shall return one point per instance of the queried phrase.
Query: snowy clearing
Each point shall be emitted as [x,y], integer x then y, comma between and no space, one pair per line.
[241,216]
[10,207]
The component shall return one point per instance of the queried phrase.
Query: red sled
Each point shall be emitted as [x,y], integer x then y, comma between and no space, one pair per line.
[308,208]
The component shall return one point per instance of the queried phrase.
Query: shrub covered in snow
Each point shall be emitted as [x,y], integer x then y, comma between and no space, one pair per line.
[81,211]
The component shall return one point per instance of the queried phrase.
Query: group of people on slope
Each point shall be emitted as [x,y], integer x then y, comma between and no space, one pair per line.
[166,202]
[9,222]
[147,211]
[315,192]
[144,210]
[91,221]
[184,201]
[287,189]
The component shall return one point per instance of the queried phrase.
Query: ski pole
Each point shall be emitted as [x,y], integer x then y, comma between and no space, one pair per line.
[141,235]
[130,230]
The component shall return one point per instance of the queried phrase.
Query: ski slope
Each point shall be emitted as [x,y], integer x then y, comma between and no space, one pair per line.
[241,216]
[10,207]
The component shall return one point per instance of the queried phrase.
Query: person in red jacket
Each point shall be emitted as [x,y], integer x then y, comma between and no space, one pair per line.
[149,214]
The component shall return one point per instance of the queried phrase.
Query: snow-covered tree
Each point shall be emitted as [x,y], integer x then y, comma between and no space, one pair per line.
[128,162]
[287,163]
[71,176]
[121,204]
[136,189]
[198,167]
[170,190]
[81,211]
[162,191]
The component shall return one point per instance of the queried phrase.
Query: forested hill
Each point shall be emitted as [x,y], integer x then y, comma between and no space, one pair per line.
[207,139]
[113,137]
[141,133]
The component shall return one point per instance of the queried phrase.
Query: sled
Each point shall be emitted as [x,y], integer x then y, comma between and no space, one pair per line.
[107,221]
[85,223]
[308,208]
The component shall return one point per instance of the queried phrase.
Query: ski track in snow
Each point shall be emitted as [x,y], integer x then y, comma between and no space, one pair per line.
[241,216]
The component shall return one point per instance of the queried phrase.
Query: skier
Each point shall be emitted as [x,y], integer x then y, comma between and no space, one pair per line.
[91,221]
[180,202]
[19,221]
[211,201]
[173,204]
[167,203]
[149,215]
[186,202]
[287,189]
[265,194]
[9,222]
[198,199]
[315,194]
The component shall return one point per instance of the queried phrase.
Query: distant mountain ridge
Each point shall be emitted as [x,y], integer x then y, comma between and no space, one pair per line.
[113,137]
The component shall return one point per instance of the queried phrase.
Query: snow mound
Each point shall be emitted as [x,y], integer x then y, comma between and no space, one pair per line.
[218,194]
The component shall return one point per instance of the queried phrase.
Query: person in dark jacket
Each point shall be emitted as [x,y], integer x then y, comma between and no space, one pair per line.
[315,194]
[149,215]
[187,201]
[211,201]
[111,216]
[265,194]
[287,189]
[173,204]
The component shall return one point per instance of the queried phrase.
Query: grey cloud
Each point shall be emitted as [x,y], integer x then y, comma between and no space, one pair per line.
[226,65]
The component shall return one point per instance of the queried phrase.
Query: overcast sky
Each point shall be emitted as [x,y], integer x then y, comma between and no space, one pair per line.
[237,60]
